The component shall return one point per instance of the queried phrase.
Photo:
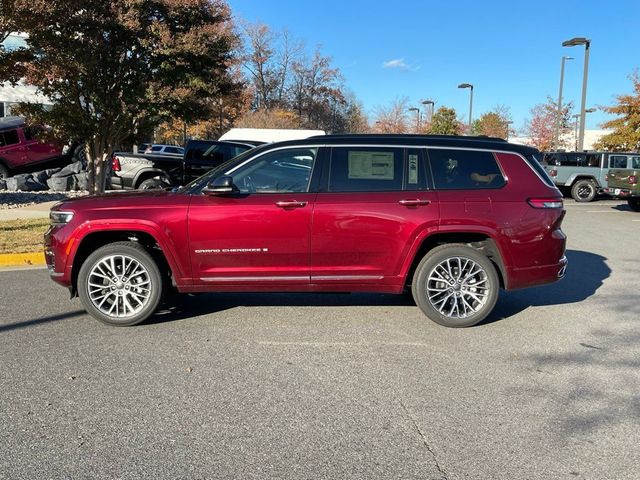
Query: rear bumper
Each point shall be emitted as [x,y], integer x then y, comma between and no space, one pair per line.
[620,192]
[539,275]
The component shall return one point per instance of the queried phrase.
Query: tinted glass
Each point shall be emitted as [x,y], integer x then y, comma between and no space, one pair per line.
[28,135]
[635,162]
[618,161]
[9,137]
[593,160]
[573,160]
[156,149]
[173,150]
[287,170]
[464,170]
[532,160]
[366,169]
[213,152]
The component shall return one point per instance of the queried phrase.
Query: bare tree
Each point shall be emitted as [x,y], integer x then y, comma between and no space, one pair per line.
[392,118]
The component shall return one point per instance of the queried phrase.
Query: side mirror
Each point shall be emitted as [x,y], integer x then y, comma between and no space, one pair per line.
[220,186]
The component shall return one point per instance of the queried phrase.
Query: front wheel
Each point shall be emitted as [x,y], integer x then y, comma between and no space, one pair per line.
[634,204]
[153,184]
[120,284]
[455,286]
[583,191]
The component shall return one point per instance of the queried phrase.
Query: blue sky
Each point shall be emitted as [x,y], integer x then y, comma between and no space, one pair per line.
[509,51]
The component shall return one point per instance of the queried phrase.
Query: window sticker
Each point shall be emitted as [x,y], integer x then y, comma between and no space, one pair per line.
[413,169]
[371,165]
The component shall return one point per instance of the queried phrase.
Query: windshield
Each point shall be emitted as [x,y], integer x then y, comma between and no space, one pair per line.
[201,181]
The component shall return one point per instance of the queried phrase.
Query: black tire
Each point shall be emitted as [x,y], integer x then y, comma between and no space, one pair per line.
[152,275]
[153,184]
[4,171]
[481,288]
[634,204]
[584,191]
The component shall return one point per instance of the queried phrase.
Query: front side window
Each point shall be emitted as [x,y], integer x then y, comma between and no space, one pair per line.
[367,169]
[464,170]
[9,137]
[281,171]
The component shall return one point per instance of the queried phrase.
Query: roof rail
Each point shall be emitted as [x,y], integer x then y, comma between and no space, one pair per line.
[412,135]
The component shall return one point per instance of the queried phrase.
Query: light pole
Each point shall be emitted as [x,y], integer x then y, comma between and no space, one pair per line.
[587,45]
[470,87]
[559,119]
[575,117]
[433,106]
[417,110]
[507,123]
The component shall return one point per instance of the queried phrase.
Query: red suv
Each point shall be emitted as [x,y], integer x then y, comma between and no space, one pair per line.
[453,218]
[18,148]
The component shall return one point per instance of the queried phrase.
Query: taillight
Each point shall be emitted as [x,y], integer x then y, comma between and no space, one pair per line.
[633,179]
[115,163]
[545,202]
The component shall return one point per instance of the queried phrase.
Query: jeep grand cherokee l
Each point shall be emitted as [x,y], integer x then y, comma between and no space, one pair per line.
[452,218]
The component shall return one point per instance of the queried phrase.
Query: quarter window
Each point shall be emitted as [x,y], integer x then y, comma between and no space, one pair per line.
[464,170]
[618,161]
[366,169]
[281,171]
[636,162]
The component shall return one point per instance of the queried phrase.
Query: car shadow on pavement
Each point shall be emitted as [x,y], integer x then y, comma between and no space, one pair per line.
[586,273]
[179,307]
[39,321]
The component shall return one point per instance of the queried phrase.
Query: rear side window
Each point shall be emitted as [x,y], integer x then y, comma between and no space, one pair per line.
[636,162]
[464,170]
[618,161]
[366,169]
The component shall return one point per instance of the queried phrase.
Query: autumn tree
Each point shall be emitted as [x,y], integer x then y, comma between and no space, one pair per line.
[392,118]
[626,128]
[7,19]
[494,123]
[541,127]
[114,68]
[445,122]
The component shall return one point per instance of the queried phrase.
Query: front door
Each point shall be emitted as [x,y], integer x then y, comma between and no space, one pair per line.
[259,236]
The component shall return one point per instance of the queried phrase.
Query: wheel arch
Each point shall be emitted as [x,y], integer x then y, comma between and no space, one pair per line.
[147,173]
[481,241]
[581,176]
[93,240]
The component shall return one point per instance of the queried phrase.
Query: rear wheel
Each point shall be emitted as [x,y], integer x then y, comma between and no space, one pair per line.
[583,191]
[153,184]
[120,284]
[634,204]
[455,286]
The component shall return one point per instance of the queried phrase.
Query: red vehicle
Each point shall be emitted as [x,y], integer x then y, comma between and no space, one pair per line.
[19,150]
[453,218]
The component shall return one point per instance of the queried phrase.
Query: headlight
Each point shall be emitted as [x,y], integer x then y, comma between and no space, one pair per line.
[60,218]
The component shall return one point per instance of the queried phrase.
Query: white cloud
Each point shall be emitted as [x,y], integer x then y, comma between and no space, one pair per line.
[399,63]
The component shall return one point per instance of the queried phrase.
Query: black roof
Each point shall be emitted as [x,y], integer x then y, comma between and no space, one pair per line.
[483,142]
[11,122]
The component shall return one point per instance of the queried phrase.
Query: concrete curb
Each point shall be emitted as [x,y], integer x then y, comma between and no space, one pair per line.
[21,259]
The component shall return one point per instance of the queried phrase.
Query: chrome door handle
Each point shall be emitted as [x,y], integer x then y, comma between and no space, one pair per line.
[291,204]
[414,202]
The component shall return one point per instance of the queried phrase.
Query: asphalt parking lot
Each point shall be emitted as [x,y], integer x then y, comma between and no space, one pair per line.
[334,386]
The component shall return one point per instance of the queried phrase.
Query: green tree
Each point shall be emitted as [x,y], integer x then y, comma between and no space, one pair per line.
[114,68]
[444,122]
[494,123]
[626,128]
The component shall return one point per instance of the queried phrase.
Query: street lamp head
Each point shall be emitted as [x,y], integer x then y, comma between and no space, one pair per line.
[576,41]
[590,110]
[465,85]
[568,58]
[414,109]
[428,102]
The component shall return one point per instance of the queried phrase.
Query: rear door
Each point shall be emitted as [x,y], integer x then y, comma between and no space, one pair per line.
[37,150]
[373,207]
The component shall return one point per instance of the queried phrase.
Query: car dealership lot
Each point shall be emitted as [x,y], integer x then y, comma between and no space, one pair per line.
[334,386]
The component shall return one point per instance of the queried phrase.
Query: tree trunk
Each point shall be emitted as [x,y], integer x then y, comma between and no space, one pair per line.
[98,154]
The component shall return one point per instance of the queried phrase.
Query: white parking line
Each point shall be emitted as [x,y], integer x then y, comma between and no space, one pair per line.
[604,211]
